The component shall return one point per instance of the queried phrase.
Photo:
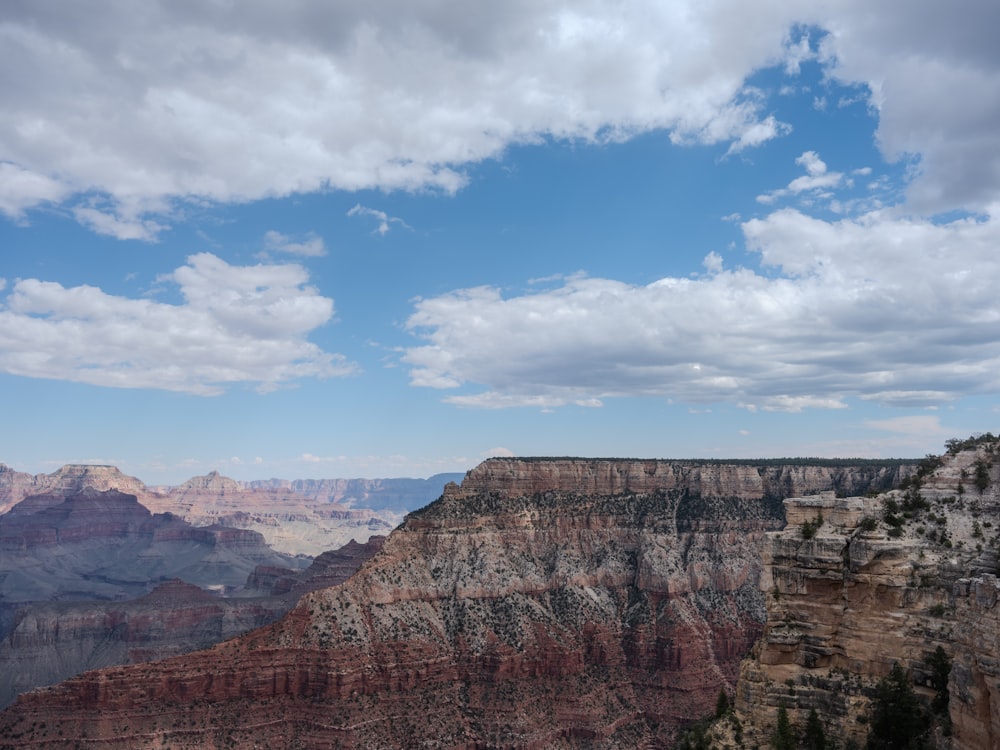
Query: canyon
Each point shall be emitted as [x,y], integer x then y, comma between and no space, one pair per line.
[857,585]
[542,603]
[295,517]
[83,548]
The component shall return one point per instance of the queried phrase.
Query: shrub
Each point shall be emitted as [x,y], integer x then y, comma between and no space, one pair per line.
[868,524]
[809,528]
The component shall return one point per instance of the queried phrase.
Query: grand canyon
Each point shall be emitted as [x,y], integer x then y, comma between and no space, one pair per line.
[539,603]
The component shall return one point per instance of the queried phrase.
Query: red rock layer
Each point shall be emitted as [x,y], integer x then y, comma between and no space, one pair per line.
[489,619]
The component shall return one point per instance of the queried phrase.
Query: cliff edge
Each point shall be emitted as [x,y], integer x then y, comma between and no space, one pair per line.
[857,586]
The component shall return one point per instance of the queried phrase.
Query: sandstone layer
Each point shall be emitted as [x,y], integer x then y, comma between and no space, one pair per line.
[532,607]
[855,585]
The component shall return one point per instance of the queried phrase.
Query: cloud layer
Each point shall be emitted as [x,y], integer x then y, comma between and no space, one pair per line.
[127,110]
[238,324]
[899,311]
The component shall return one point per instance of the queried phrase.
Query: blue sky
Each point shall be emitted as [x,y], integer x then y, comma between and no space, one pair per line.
[394,238]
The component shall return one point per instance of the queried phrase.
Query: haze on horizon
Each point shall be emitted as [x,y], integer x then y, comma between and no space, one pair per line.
[391,239]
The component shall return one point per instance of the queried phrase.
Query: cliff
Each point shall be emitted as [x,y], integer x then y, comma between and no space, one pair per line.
[854,586]
[54,641]
[542,604]
[738,479]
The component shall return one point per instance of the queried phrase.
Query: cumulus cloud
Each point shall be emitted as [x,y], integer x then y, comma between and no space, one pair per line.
[385,221]
[224,102]
[237,324]
[311,246]
[893,310]
[930,73]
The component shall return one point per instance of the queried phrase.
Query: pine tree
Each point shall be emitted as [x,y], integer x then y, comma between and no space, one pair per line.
[783,737]
[898,720]
[722,704]
[815,737]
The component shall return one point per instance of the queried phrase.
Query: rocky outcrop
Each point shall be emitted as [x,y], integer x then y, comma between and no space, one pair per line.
[741,479]
[856,585]
[329,569]
[15,486]
[534,613]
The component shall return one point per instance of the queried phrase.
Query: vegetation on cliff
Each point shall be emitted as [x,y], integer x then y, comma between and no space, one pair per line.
[883,617]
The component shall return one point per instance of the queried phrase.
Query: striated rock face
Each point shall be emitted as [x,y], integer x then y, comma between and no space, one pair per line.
[883,580]
[15,486]
[53,641]
[289,522]
[529,614]
[746,480]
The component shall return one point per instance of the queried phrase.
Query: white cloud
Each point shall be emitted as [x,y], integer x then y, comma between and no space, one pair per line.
[312,246]
[230,103]
[224,102]
[238,324]
[115,225]
[931,75]
[817,180]
[498,451]
[902,311]
[385,221]
[21,189]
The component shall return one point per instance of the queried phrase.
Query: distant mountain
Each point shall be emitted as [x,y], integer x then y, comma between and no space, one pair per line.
[297,517]
[398,496]
[17,485]
[93,544]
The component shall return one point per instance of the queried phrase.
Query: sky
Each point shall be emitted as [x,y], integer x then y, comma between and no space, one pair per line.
[396,237]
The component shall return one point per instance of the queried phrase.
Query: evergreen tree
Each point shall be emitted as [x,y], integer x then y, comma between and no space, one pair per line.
[815,737]
[898,720]
[783,737]
[722,704]
[940,666]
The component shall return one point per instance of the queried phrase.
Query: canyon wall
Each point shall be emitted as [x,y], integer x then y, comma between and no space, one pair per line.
[854,586]
[541,604]
[53,641]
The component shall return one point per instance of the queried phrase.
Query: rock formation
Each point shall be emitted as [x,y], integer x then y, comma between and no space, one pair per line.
[856,585]
[53,641]
[297,517]
[106,545]
[542,604]
[15,486]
